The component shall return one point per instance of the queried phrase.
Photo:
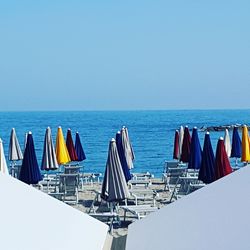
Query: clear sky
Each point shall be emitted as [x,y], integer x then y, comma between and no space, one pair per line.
[98,55]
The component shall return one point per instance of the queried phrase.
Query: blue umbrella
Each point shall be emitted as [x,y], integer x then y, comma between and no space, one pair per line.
[122,156]
[30,172]
[236,144]
[79,149]
[195,151]
[207,169]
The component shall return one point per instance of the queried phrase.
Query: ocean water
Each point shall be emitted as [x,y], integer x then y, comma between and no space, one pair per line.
[151,132]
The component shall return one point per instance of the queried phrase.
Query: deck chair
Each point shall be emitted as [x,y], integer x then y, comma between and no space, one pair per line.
[171,176]
[68,185]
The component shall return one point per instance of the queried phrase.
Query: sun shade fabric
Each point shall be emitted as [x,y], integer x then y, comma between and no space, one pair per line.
[176,145]
[114,187]
[71,147]
[79,149]
[207,169]
[195,151]
[15,152]
[30,172]
[236,144]
[185,150]
[62,154]
[49,161]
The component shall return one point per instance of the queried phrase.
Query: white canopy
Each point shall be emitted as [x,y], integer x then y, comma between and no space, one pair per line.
[214,217]
[32,220]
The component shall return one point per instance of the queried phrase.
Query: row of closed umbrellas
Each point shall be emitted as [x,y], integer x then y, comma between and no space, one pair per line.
[64,152]
[187,149]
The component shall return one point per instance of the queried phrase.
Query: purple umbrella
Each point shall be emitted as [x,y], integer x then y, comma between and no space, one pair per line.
[185,151]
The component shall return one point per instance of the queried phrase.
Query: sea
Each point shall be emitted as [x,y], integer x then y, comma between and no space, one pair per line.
[151,132]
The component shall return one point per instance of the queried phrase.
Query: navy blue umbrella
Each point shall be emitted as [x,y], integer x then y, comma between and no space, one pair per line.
[122,156]
[30,172]
[207,169]
[195,151]
[79,149]
[236,144]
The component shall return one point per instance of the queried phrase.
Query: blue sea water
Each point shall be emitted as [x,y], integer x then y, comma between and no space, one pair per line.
[151,132]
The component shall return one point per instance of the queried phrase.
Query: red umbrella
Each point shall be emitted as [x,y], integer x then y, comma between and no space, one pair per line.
[185,152]
[222,164]
[176,145]
[70,146]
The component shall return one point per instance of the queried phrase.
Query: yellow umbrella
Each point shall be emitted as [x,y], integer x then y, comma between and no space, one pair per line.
[245,145]
[62,154]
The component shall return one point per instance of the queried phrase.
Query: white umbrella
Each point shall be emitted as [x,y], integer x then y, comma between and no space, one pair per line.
[130,144]
[127,148]
[15,152]
[49,160]
[181,135]
[3,164]
[227,143]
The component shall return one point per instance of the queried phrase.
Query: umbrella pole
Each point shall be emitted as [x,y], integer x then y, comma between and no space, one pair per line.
[236,161]
[13,168]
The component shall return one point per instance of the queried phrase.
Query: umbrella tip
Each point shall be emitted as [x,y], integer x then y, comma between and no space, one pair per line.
[69,129]
[118,132]
[207,133]
[59,127]
[29,133]
[77,132]
[221,139]
[195,127]
[123,126]
[186,126]
[113,140]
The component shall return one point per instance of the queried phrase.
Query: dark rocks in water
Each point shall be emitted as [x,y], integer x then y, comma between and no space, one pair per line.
[221,128]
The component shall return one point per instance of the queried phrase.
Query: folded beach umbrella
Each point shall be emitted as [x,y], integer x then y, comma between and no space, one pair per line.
[195,151]
[62,154]
[176,145]
[70,146]
[245,157]
[181,135]
[127,148]
[236,144]
[185,150]
[79,149]
[15,152]
[227,143]
[3,164]
[207,169]
[30,172]
[222,164]
[122,156]
[130,144]
[49,161]
[114,186]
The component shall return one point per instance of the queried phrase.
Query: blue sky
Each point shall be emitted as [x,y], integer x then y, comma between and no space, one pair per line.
[109,55]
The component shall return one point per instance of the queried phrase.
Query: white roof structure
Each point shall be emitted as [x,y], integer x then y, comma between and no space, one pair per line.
[214,217]
[32,220]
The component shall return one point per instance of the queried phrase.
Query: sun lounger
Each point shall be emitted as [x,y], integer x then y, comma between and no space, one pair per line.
[139,211]
[143,195]
[144,183]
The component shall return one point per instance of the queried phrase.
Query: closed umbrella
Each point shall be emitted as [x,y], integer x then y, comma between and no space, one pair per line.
[79,149]
[62,154]
[185,150]
[181,135]
[195,151]
[49,161]
[127,149]
[15,152]
[245,157]
[176,145]
[222,164]
[122,156]
[207,169]
[130,144]
[227,143]
[114,186]
[70,146]
[3,164]
[30,172]
[236,145]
